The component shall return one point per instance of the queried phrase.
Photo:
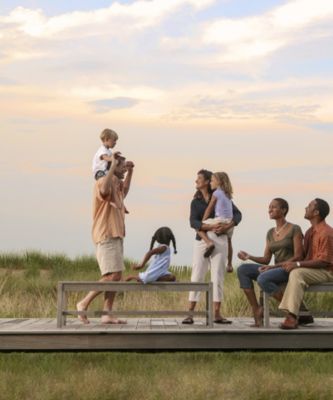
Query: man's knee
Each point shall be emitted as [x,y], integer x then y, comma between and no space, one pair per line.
[296,275]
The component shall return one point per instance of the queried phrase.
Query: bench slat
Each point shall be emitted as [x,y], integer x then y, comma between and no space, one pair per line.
[129,287]
[147,312]
[77,286]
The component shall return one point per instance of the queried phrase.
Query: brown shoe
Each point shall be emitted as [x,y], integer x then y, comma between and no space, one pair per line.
[289,323]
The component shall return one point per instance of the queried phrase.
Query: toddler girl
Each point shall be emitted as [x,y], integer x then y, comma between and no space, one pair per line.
[158,268]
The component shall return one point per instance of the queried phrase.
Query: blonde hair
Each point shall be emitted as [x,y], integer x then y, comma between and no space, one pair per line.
[224,183]
[108,134]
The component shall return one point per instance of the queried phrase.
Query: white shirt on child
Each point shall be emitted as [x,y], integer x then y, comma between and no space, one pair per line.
[223,206]
[98,164]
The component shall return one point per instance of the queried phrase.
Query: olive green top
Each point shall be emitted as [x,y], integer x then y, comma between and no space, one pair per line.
[283,249]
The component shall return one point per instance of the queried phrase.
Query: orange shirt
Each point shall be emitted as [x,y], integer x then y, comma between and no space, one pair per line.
[318,243]
[109,212]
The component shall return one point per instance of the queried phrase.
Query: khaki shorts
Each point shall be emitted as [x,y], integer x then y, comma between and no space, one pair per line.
[110,255]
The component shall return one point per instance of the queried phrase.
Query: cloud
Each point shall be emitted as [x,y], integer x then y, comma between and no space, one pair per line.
[254,37]
[118,17]
[116,103]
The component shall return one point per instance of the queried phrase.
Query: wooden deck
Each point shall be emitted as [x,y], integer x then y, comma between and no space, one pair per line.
[160,334]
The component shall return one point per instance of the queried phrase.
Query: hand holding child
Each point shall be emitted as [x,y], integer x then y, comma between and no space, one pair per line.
[129,165]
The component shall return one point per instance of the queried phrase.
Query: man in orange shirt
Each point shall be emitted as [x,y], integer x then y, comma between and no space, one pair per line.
[317,266]
[109,230]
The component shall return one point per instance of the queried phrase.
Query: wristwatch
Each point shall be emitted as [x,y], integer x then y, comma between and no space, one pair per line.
[298,264]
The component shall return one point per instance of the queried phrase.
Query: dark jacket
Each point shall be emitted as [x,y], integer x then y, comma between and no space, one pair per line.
[198,207]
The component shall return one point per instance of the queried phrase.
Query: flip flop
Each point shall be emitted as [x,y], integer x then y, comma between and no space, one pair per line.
[209,250]
[188,321]
[222,321]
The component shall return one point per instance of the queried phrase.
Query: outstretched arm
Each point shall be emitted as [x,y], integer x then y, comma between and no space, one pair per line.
[148,255]
[265,260]
[106,185]
[128,179]
[106,157]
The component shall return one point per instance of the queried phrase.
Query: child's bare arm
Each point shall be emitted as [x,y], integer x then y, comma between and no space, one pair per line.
[210,208]
[105,157]
[149,254]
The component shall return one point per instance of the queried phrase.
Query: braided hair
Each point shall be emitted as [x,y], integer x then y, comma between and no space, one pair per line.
[164,235]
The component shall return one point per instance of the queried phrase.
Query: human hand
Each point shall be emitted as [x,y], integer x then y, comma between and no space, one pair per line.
[115,157]
[220,228]
[129,165]
[136,266]
[243,255]
[264,268]
[289,266]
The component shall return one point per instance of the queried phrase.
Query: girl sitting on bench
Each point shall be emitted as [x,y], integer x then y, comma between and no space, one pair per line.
[158,268]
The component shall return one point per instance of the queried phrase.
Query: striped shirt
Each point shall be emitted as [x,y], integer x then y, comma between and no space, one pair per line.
[108,212]
[318,244]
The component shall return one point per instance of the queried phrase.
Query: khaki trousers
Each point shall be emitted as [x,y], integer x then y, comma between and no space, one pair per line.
[299,280]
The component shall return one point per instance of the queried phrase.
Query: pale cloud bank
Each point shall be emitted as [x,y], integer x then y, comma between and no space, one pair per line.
[248,38]
[124,17]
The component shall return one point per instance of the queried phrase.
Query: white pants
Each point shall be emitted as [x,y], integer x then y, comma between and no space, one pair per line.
[216,220]
[216,262]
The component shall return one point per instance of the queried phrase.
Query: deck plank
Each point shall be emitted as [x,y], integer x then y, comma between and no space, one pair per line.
[160,334]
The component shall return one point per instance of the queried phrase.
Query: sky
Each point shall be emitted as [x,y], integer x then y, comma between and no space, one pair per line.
[229,85]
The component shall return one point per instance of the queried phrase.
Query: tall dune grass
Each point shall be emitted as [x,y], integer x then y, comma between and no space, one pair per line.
[28,284]
[28,287]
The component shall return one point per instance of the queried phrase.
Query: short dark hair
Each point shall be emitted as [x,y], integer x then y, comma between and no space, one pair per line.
[323,208]
[283,204]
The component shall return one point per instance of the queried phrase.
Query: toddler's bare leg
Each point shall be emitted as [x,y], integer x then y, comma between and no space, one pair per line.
[230,253]
[210,244]
[133,278]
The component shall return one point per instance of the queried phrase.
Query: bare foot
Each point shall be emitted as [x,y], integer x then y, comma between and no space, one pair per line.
[258,317]
[106,319]
[82,318]
[230,268]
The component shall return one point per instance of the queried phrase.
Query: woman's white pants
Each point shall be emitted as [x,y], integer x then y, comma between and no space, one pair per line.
[216,263]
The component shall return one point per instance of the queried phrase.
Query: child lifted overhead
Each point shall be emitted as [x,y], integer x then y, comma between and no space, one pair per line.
[102,158]
[221,204]
[158,268]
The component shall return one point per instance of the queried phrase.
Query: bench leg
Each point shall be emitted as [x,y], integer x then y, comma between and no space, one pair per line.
[266,309]
[209,306]
[61,306]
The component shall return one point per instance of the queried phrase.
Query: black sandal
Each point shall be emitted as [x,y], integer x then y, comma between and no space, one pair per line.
[209,250]
[222,321]
[188,321]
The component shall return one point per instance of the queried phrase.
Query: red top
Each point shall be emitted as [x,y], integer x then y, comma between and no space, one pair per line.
[318,243]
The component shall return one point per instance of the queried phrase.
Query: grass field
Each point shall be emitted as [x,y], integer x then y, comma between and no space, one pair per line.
[28,289]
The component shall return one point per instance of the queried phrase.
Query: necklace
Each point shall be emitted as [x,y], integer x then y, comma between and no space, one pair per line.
[277,231]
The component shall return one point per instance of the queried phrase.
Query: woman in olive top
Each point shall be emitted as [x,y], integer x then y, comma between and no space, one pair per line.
[285,242]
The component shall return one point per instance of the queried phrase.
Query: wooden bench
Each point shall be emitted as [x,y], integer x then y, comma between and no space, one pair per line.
[322,287]
[71,286]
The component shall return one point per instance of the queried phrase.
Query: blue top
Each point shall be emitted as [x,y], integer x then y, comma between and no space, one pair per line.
[158,266]
[223,206]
